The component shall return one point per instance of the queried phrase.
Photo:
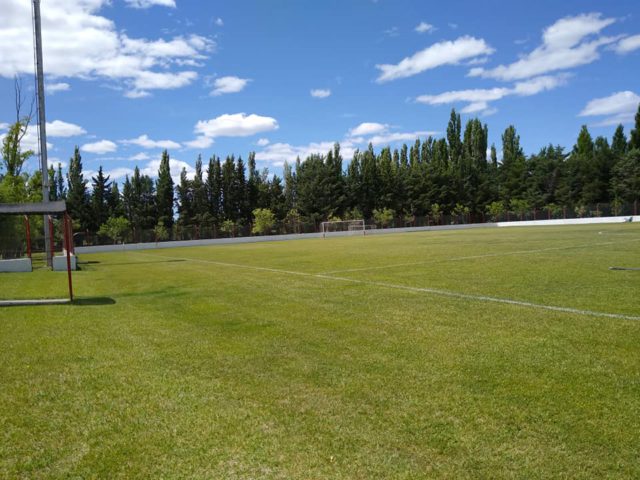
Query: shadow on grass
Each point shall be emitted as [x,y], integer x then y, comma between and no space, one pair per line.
[88,301]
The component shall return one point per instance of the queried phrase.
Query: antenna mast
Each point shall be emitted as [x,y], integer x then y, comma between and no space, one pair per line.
[42,123]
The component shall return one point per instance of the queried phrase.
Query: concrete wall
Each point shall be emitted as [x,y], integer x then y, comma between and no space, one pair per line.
[301,236]
[60,263]
[569,221]
[16,265]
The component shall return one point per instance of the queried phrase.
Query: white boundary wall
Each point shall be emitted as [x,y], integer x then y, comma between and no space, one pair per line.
[16,265]
[379,231]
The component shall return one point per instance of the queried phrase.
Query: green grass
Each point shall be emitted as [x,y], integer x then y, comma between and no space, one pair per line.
[184,363]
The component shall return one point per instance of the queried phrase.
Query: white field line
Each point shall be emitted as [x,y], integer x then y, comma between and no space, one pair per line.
[472,257]
[432,291]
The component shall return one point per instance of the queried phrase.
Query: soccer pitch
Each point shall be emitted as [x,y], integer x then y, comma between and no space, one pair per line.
[479,353]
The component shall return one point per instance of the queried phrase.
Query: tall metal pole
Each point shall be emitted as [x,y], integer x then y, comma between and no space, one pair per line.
[42,124]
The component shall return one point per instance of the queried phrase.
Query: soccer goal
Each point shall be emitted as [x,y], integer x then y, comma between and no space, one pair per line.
[350,227]
[28,259]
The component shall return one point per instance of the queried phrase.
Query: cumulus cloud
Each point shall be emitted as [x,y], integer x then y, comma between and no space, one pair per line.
[320,93]
[617,108]
[235,125]
[53,88]
[229,84]
[278,153]
[628,44]
[263,142]
[100,148]
[218,21]
[436,55]
[478,99]
[200,142]
[424,27]
[145,142]
[58,128]
[368,128]
[568,43]
[151,3]
[395,137]
[139,157]
[97,49]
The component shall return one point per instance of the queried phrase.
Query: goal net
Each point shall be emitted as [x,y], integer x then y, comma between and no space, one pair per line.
[27,274]
[349,227]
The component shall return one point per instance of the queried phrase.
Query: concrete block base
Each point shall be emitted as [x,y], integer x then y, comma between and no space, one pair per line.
[16,265]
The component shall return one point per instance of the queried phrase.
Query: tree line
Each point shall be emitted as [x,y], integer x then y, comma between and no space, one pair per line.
[458,174]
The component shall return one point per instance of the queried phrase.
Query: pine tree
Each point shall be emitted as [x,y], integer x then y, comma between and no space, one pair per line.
[77,197]
[114,202]
[101,189]
[634,137]
[212,187]
[513,169]
[165,192]
[184,192]
[619,143]
[61,191]
[53,192]
[289,187]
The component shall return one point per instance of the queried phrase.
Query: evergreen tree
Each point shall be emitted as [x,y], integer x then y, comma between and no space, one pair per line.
[53,191]
[513,169]
[61,191]
[114,202]
[289,187]
[184,192]
[101,190]
[212,186]
[165,192]
[77,197]
[229,201]
[619,143]
[634,137]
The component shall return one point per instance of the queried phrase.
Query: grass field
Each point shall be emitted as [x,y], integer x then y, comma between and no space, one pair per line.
[391,356]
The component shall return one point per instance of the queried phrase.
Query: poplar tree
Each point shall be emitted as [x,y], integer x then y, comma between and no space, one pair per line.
[165,192]
[77,197]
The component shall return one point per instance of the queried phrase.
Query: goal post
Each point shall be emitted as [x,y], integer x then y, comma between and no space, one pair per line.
[23,262]
[353,227]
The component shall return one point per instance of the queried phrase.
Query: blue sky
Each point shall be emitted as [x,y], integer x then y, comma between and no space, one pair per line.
[127,78]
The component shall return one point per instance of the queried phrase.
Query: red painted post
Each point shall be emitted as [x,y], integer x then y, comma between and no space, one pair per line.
[28,231]
[51,239]
[67,245]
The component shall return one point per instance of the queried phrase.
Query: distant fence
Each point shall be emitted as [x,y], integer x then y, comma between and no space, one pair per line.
[379,231]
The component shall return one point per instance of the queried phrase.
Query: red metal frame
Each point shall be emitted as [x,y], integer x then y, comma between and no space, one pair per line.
[28,231]
[67,247]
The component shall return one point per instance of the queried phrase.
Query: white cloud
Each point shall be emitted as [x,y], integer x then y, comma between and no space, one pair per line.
[54,161]
[96,49]
[100,148]
[58,128]
[235,125]
[395,137]
[229,84]
[478,99]
[4,126]
[53,88]
[278,153]
[200,142]
[436,55]
[151,3]
[368,128]
[139,157]
[566,44]
[175,167]
[145,142]
[618,108]
[391,32]
[320,93]
[119,172]
[424,27]
[263,142]
[218,21]
[628,44]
